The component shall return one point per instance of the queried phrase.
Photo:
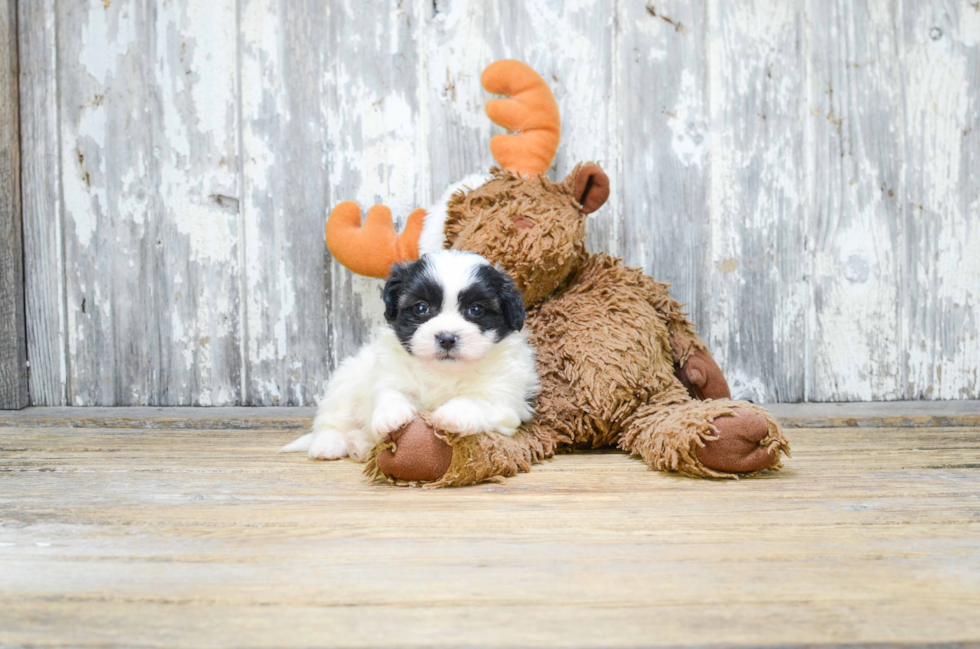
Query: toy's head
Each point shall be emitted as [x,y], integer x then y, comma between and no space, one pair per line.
[514,216]
[532,227]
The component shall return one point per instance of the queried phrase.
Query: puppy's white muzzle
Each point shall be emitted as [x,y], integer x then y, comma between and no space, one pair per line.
[450,337]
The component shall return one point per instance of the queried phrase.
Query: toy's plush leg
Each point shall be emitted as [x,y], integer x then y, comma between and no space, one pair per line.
[711,439]
[420,453]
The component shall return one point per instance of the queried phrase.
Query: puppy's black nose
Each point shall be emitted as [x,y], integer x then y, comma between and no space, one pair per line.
[446,340]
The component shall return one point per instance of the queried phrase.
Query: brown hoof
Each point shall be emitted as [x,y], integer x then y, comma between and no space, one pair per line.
[737,448]
[703,378]
[419,454]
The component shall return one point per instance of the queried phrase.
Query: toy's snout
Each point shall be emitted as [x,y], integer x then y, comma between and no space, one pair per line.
[522,222]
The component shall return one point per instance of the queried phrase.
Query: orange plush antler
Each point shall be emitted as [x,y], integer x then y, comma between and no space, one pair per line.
[373,248]
[530,112]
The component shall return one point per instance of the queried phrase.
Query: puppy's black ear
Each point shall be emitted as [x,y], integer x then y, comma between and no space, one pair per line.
[393,286]
[511,302]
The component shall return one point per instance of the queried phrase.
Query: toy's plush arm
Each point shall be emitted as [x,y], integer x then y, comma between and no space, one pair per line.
[422,452]
[684,340]
[693,364]
[372,248]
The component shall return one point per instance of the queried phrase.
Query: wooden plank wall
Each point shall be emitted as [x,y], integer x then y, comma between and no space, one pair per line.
[806,174]
[13,338]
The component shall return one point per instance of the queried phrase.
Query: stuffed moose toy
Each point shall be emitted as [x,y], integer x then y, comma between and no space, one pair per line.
[620,365]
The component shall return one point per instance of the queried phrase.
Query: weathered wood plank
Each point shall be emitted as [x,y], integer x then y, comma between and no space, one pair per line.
[114,538]
[570,44]
[891,414]
[855,225]
[149,153]
[44,271]
[941,70]
[150,418]
[665,142]
[758,294]
[326,118]
[287,326]
[375,152]
[432,624]
[824,256]
[13,342]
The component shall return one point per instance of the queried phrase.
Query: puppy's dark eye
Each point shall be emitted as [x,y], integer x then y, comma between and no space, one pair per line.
[421,308]
[475,311]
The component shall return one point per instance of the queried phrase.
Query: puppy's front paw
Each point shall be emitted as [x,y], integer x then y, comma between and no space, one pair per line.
[328,445]
[460,418]
[359,447]
[389,417]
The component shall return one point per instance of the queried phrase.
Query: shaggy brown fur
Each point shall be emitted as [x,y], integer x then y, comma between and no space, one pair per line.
[608,338]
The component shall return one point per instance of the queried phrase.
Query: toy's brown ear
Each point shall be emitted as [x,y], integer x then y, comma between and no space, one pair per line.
[591,187]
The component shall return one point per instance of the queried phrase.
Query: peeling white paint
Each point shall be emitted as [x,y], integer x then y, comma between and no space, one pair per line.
[210,232]
[84,201]
[105,37]
[689,142]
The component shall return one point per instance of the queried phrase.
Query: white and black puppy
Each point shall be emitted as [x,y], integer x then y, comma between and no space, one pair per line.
[453,347]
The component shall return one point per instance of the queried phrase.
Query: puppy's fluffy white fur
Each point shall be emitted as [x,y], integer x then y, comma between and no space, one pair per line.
[486,387]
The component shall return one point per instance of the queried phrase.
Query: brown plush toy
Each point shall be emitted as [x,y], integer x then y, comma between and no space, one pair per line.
[620,364]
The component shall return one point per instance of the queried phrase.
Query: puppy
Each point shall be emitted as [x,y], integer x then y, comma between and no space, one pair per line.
[453,346]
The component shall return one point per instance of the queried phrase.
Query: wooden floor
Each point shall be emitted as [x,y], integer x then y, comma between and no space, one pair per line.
[122,537]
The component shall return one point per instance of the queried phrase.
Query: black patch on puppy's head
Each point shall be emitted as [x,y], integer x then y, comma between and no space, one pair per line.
[502,302]
[409,285]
